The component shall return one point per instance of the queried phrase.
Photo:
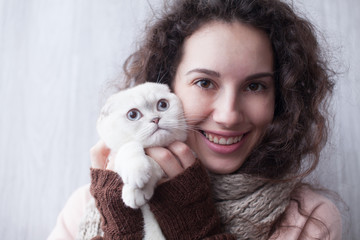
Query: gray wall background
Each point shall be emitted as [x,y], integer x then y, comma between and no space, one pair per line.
[56,57]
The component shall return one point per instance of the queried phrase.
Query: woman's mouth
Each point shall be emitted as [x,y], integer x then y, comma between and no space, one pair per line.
[223,144]
[222,140]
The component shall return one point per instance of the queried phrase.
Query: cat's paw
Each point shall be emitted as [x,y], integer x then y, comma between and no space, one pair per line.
[135,197]
[133,165]
[148,191]
[137,173]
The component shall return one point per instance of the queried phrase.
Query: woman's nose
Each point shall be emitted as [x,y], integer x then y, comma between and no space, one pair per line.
[227,110]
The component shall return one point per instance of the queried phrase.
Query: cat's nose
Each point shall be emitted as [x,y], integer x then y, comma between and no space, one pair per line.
[155,120]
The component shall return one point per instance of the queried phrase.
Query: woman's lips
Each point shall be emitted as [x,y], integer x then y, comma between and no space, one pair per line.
[223,144]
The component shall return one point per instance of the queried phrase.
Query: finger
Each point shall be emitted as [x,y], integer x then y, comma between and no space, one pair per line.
[183,153]
[99,154]
[166,160]
[110,164]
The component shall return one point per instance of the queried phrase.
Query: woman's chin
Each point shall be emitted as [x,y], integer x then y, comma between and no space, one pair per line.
[223,167]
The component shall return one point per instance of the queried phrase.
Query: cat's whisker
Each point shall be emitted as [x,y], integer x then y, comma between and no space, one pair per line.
[159,80]
[198,117]
[182,126]
[145,132]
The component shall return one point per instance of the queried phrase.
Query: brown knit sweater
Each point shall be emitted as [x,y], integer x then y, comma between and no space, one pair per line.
[182,206]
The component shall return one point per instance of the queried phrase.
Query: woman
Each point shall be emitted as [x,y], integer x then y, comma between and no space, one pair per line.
[254,86]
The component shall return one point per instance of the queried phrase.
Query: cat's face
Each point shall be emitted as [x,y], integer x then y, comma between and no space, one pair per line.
[148,113]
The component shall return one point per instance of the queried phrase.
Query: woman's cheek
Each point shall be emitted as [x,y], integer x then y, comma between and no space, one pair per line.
[261,110]
[196,105]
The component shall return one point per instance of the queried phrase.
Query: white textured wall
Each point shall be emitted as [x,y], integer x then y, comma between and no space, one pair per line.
[55,58]
[338,20]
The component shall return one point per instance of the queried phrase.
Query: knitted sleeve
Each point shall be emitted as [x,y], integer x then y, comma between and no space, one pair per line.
[184,207]
[118,221]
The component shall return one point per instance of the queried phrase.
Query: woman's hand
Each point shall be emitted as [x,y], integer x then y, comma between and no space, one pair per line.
[173,159]
[99,155]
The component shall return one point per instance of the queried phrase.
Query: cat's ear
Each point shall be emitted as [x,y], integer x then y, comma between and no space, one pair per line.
[105,111]
[166,87]
[107,108]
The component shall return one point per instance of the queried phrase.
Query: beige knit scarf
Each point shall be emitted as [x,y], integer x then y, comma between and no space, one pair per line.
[247,206]
[90,225]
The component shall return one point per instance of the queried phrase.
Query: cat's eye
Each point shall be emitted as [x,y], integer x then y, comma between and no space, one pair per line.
[162,105]
[134,115]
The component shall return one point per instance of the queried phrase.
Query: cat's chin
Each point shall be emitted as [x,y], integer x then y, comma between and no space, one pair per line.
[164,137]
[159,139]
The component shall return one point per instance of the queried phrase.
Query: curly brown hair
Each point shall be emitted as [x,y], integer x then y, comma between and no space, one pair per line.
[302,77]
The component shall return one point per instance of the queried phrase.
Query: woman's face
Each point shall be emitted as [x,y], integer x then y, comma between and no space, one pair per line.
[225,82]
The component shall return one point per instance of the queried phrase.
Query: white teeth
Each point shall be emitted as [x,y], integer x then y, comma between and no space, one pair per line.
[230,141]
[221,140]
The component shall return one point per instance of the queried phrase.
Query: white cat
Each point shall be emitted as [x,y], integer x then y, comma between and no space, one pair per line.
[133,119]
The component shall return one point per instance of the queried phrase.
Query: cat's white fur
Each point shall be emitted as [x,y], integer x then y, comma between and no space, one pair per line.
[127,137]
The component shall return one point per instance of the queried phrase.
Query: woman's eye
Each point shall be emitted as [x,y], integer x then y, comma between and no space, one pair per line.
[134,115]
[204,83]
[255,87]
[162,105]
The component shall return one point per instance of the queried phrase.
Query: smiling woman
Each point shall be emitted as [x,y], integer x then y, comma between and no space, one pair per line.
[227,91]
[254,86]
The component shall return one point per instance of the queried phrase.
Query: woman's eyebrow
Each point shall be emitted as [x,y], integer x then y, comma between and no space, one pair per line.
[217,74]
[259,75]
[205,71]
